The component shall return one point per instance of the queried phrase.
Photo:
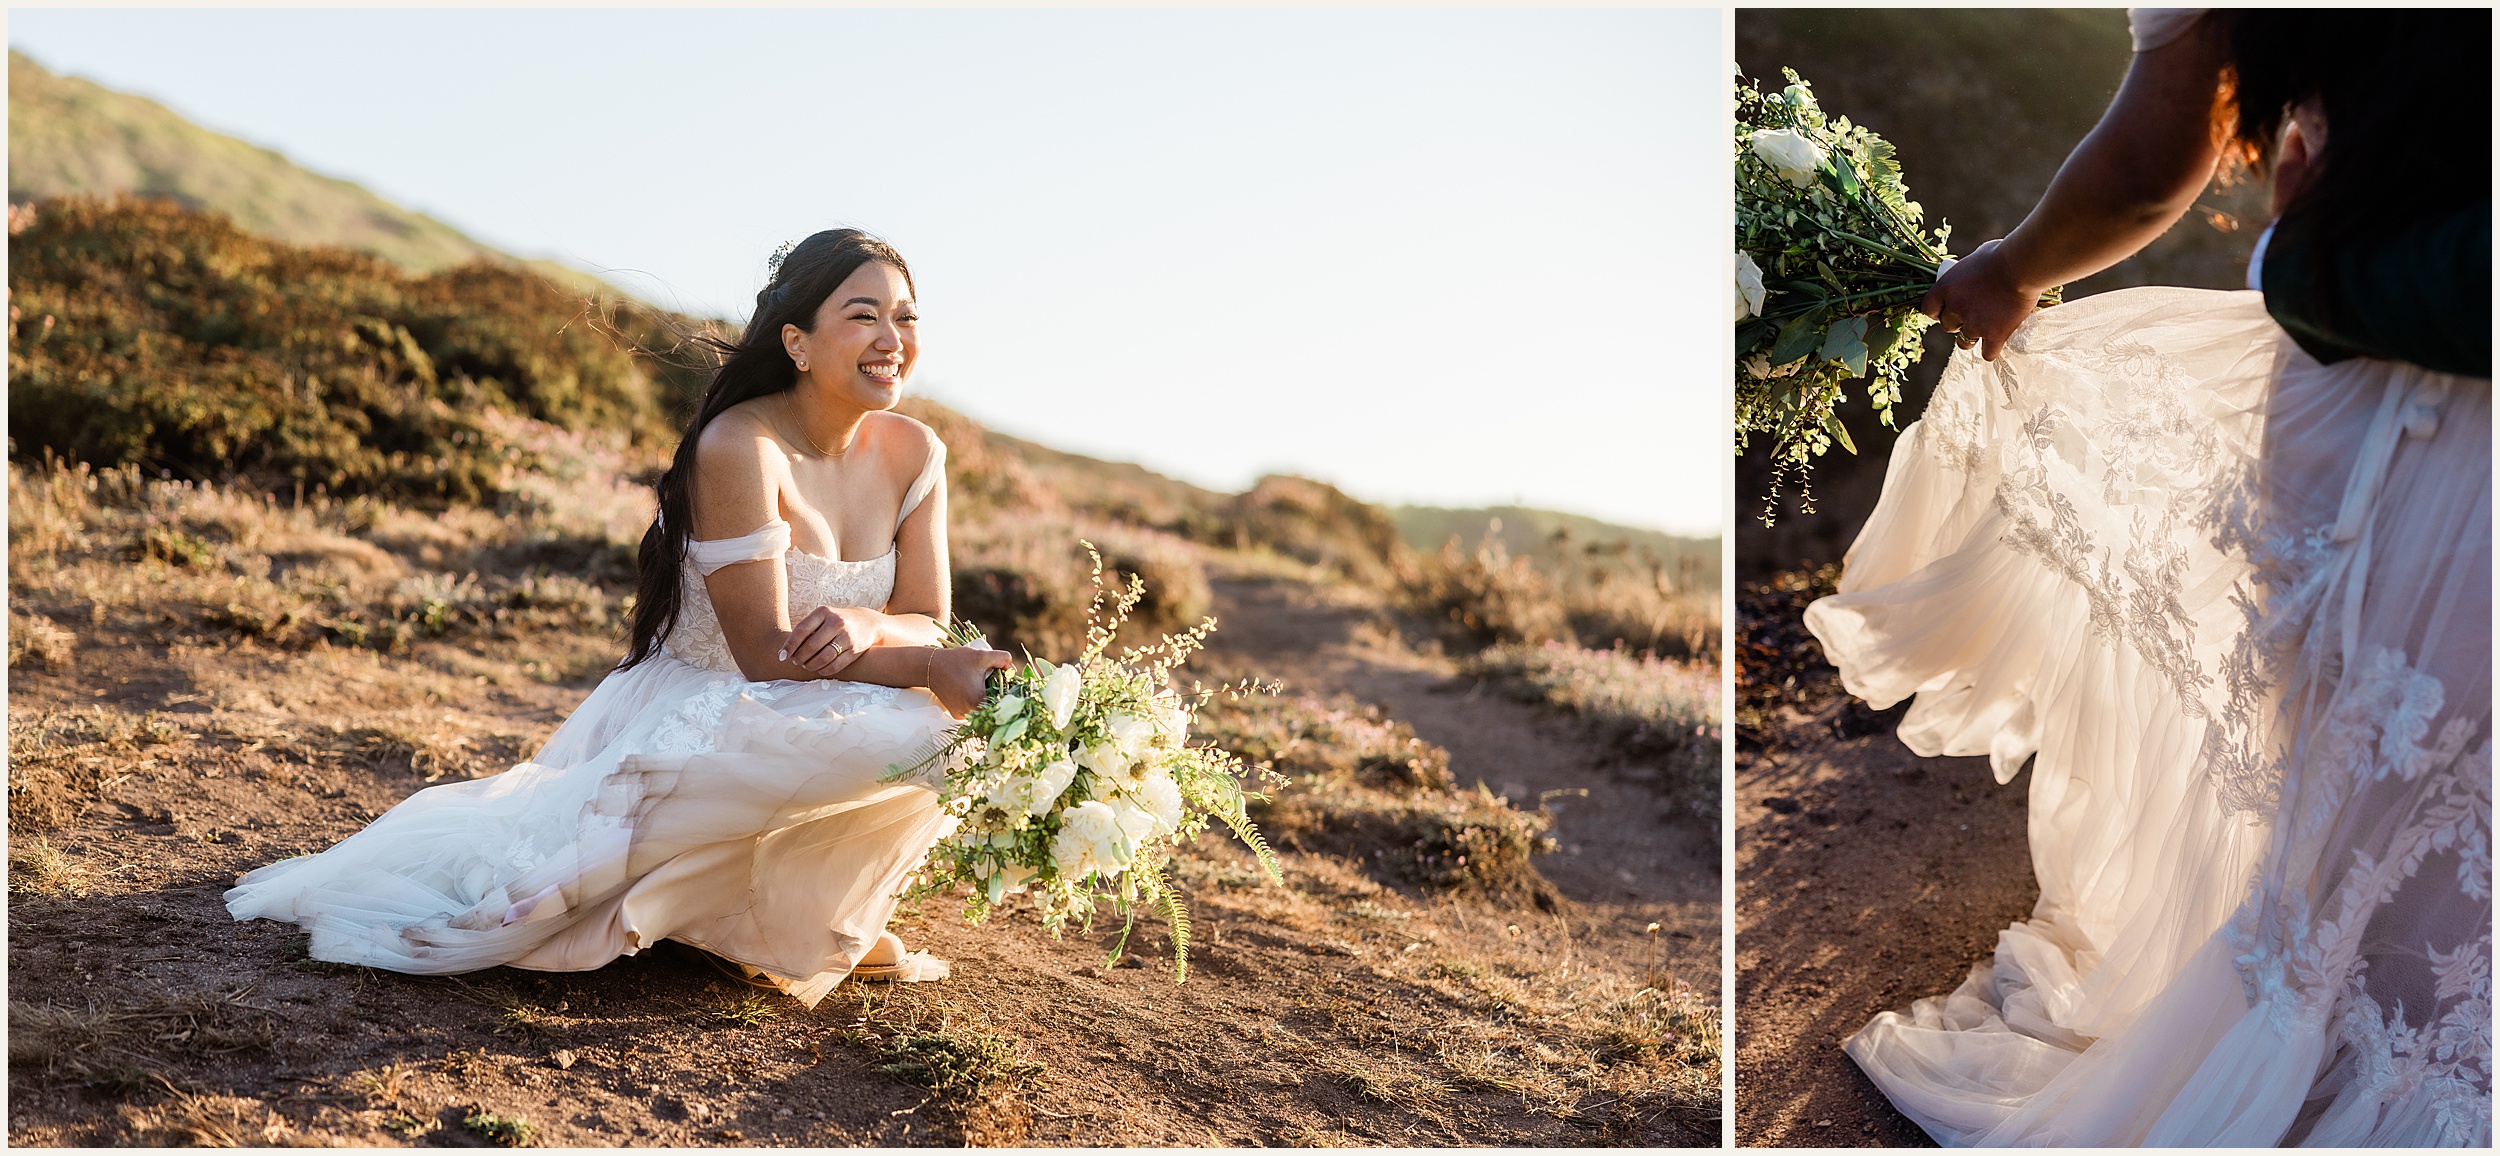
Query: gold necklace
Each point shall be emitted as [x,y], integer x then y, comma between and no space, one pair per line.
[790,409]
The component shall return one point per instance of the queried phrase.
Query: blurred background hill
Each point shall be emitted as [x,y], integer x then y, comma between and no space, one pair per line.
[70,136]
[1984,105]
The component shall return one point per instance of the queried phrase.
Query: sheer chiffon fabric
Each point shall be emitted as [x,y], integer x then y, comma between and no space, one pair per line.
[2235,606]
[679,801]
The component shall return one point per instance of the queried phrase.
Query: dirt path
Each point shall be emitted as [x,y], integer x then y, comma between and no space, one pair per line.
[1867,877]
[1340,1009]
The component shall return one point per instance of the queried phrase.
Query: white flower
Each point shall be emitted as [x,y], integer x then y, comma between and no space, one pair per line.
[1163,797]
[1799,97]
[1059,693]
[1131,732]
[1175,724]
[1795,157]
[1049,783]
[1090,842]
[1748,286]
[1135,821]
[1109,761]
[1009,706]
[1023,795]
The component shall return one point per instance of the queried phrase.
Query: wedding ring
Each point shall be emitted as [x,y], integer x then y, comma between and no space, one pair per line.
[1964,340]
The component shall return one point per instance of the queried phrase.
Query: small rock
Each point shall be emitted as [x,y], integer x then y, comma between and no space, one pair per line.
[1132,959]
[1823,1123]
[564,1058]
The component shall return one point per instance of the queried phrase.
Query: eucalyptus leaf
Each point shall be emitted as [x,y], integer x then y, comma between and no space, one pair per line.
[1845,343]
[1839,432]
[1798,338]
[1750,334]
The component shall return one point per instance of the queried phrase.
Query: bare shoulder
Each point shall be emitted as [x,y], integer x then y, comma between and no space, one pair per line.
[913,444]
[907,430]
[738,467]
[739,439]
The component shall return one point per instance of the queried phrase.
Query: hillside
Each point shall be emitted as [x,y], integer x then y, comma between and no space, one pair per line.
[1497,813]
[73,137]
[1548,537]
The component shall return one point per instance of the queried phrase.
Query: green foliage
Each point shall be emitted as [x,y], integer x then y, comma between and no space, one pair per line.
[956,1057]
[146,334]
[1839,264]
[508,1131]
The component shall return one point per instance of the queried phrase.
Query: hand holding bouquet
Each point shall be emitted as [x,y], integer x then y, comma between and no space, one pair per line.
[1832,260]
[1074,782]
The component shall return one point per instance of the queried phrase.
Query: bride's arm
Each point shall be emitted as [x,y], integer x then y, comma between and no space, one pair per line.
[2138,171]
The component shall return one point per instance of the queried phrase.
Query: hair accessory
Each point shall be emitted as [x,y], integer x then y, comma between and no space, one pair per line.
[779,255]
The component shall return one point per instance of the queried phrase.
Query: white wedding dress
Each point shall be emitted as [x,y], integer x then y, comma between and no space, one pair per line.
[2237,604]
[680,801]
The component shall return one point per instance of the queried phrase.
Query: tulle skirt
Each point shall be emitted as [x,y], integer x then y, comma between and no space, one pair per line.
[2237,604]
[752,820]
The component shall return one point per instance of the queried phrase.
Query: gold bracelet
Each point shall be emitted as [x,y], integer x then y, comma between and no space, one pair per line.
[928,669]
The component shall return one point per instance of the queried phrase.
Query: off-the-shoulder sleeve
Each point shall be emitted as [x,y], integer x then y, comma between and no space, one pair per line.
[930,476]
[2151,28]
[772,541]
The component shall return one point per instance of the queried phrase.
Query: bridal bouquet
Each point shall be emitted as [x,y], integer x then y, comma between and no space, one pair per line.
[1831,263]
[1073,783]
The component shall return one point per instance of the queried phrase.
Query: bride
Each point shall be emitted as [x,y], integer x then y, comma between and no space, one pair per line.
[724,787]
[2221,563]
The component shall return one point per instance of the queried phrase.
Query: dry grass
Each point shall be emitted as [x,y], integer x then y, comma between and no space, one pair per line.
[1026,582]
[1662,713]
[1599,597]
[126,1045]
[1366,787]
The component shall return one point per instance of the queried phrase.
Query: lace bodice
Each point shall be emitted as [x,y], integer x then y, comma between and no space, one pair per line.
[814,582]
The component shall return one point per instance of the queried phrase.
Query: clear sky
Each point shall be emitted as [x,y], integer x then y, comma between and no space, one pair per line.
[1456,257]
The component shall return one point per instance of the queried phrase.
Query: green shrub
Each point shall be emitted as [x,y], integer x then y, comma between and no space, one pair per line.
[145,334]
[1026,582]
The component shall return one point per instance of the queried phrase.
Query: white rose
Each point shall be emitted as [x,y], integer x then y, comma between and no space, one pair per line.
[1795,157]
[1090,842]
[1131,732]
[1163,797]
[1059,693]
[1109,761]
[1008,707]
[1748,286]
[1799,97]
[1135,821]
[1048,783]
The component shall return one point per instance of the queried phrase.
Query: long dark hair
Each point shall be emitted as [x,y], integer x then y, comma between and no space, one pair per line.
[751,367]
[2407,98]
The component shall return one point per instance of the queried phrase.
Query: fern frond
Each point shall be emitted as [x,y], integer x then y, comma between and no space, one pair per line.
[1178,913]
[1248,833]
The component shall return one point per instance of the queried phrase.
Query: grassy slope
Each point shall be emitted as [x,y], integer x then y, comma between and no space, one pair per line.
[1530,533]
[70,136]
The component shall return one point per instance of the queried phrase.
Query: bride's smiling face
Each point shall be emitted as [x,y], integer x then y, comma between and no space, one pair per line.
[865,340]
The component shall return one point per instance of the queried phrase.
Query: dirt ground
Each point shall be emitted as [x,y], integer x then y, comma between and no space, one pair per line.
[1342,1009]
[1866,877]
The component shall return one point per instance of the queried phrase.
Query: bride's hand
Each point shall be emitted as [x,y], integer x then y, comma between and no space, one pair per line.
[959,676]
[830,638]
[1978,301]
